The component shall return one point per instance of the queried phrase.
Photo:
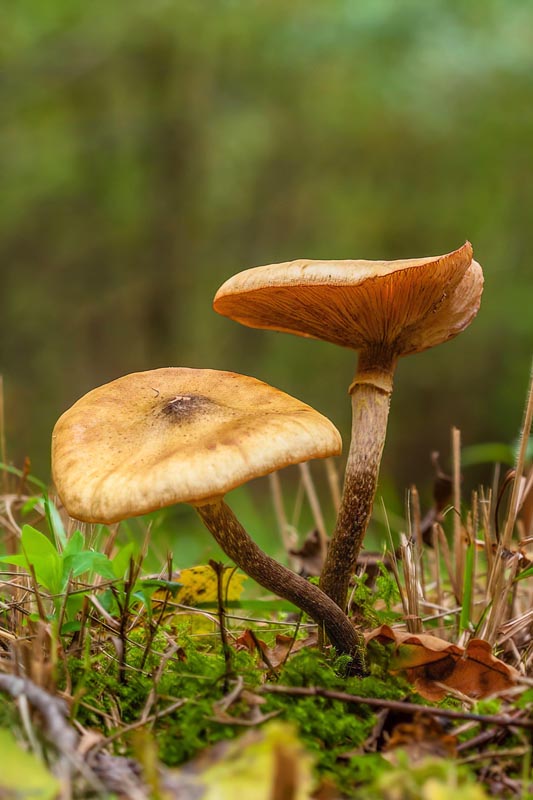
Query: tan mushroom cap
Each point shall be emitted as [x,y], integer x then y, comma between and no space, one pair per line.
[407,305]
[152,439]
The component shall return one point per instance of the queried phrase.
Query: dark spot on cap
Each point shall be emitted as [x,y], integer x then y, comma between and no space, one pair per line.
[185,407]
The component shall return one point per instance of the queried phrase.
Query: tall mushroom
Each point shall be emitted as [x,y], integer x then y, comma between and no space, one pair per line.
[177,435]
[383,309]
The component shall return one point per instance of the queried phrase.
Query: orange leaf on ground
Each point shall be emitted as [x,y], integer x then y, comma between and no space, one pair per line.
[436,667]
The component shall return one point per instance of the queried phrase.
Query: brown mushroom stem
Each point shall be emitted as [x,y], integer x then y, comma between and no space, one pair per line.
[237,544]
[371,392]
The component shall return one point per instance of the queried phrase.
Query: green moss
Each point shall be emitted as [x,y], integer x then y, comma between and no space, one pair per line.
[365,598]
[193,674]
[332,730]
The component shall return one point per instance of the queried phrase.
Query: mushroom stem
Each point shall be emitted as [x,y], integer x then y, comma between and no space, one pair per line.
[235,542]
[371,391]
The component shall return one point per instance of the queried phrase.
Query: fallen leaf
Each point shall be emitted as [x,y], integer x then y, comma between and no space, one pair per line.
[246,641]
[436,667]
[273,657]
[199,585]
[287,646]
[420,738]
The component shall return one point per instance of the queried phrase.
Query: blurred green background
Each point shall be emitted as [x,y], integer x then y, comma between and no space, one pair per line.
[151,149]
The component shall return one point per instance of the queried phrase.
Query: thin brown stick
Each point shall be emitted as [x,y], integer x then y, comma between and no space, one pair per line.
[519,467]
[416,533]
[333,482]
[3,452]
[218,569]
[485,504]
[261,649]
[286,531]
[502,720]
[436,575]
[139,724]
[153,627]
[411,581]
[314,504]
[458,545]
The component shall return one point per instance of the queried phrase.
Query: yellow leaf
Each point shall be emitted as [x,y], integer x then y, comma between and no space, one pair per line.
[264,763]
[199,585]
[23,775]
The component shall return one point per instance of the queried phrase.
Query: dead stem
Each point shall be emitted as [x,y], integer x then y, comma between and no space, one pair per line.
[316,510]
[458,543]
[501,720]
[286,531]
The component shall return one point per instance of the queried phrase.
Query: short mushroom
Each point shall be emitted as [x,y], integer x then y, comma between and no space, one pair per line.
[383,309]
[178,435]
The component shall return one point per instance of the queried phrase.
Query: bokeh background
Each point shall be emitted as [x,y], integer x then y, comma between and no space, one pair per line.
[151,149]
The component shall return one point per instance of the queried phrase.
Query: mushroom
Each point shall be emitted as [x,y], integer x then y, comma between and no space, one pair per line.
[177,435]
[383,309]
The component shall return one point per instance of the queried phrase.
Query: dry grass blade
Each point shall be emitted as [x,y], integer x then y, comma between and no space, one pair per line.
[519,467]
[412,589]
[314,504]
[3,452]
[458,541]
[334,482]
[286,531]
[506,563]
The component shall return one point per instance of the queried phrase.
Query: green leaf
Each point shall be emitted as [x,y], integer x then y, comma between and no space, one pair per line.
[44,558]
[122,560]
[17,560]
[55,523]
[158,583]
[74,604]
[490,453]
[74,545]
[31,503]
[89,561]
[254,605]
[527,573]
[71,627]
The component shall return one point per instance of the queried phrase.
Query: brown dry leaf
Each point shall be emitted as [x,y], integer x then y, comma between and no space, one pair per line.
[286,645]
[246,641]
[421,738]
[436,667]
[277,655]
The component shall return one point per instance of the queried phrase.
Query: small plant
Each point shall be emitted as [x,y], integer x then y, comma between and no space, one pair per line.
[54,569]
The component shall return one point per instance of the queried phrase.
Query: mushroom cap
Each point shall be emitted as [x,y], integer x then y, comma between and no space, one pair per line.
[405,306]
[172,435]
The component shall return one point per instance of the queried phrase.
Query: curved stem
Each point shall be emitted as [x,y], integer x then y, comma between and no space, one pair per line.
[371,392]
[237,544]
